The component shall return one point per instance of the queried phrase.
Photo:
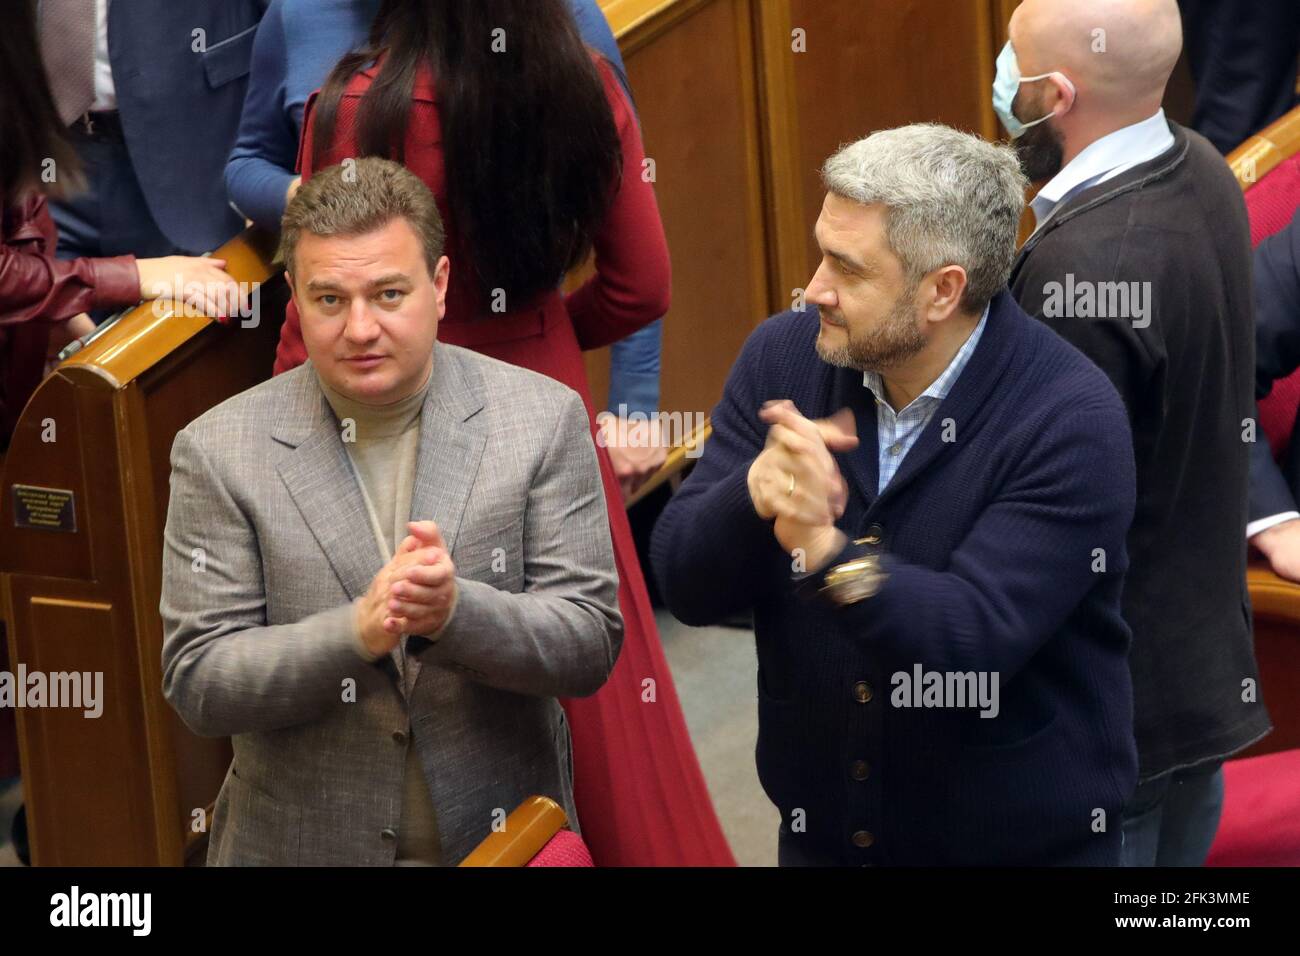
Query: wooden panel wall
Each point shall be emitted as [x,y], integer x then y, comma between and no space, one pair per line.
[739,120]
[691,66]
[876,64]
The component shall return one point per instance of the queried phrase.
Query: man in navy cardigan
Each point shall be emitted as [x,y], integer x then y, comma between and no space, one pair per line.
[924,498]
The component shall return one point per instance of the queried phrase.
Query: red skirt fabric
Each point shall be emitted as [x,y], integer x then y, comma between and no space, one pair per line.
[641,796]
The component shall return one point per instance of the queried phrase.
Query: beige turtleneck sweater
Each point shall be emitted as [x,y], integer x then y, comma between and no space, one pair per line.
[383,443]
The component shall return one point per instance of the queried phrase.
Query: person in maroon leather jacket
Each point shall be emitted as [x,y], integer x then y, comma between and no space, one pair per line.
[43,300]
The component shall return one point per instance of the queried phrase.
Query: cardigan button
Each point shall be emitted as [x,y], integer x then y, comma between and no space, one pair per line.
[875,534]
[863,839]
[399,737]
[859,770]
[388,833]
[862,692]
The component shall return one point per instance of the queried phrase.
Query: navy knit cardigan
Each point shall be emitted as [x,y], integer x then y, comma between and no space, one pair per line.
[1004,534]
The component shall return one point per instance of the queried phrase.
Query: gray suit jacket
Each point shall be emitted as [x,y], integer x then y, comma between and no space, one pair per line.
[267,544]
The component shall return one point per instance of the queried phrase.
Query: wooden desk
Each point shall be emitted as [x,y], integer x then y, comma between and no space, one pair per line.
[122,788]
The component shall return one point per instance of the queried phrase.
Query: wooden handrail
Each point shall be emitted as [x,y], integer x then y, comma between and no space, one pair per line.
[529,828]
[675,463]
[635,23]
[1271,596]
[1258,156]
[151,330]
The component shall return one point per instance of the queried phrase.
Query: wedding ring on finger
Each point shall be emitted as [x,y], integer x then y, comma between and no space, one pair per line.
[790,489]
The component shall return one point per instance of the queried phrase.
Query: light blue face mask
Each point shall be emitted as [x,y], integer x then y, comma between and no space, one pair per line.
[1005,86]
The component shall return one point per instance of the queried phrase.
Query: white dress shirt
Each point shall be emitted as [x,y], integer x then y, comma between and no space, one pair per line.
[105,91]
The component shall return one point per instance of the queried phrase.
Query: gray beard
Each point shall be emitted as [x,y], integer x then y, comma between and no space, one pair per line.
[895,341]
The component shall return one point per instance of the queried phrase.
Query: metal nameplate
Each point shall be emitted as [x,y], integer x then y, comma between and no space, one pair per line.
[44,509]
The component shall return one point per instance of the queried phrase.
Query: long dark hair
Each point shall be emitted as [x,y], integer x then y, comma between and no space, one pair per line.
[30,129]
[531,153]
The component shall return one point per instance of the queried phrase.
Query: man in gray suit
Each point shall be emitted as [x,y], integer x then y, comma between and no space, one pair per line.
[389,685]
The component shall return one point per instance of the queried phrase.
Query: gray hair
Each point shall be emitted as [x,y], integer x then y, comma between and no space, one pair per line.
[359,196]
[951,197]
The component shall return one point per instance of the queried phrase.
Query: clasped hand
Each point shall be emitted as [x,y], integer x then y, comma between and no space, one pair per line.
[414,593]
[796,481]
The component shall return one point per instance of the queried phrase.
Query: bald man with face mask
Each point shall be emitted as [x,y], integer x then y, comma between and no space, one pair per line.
[1141,259]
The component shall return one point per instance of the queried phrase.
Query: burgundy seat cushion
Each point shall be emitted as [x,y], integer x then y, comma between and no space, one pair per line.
[1261,812]
[1272,201]
[564,849]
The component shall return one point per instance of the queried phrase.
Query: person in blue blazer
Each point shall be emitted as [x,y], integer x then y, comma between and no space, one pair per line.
[170,86]
[1274,526]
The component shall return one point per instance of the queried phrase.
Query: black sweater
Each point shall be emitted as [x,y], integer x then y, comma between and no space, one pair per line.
[1174,232]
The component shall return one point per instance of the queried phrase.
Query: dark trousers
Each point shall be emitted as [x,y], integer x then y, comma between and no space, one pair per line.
[1172,819]
[110,216]
[1243,56]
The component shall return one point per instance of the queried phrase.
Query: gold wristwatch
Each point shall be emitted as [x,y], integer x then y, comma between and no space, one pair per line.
[853,580]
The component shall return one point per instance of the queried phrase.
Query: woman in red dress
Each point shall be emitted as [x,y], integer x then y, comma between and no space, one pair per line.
[529,145]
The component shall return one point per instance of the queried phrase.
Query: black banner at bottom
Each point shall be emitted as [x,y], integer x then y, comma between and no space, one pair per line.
[537,905]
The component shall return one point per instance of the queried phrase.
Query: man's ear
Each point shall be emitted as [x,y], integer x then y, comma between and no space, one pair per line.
[441,278]
[1064,94]
[949,286]
[288,280]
